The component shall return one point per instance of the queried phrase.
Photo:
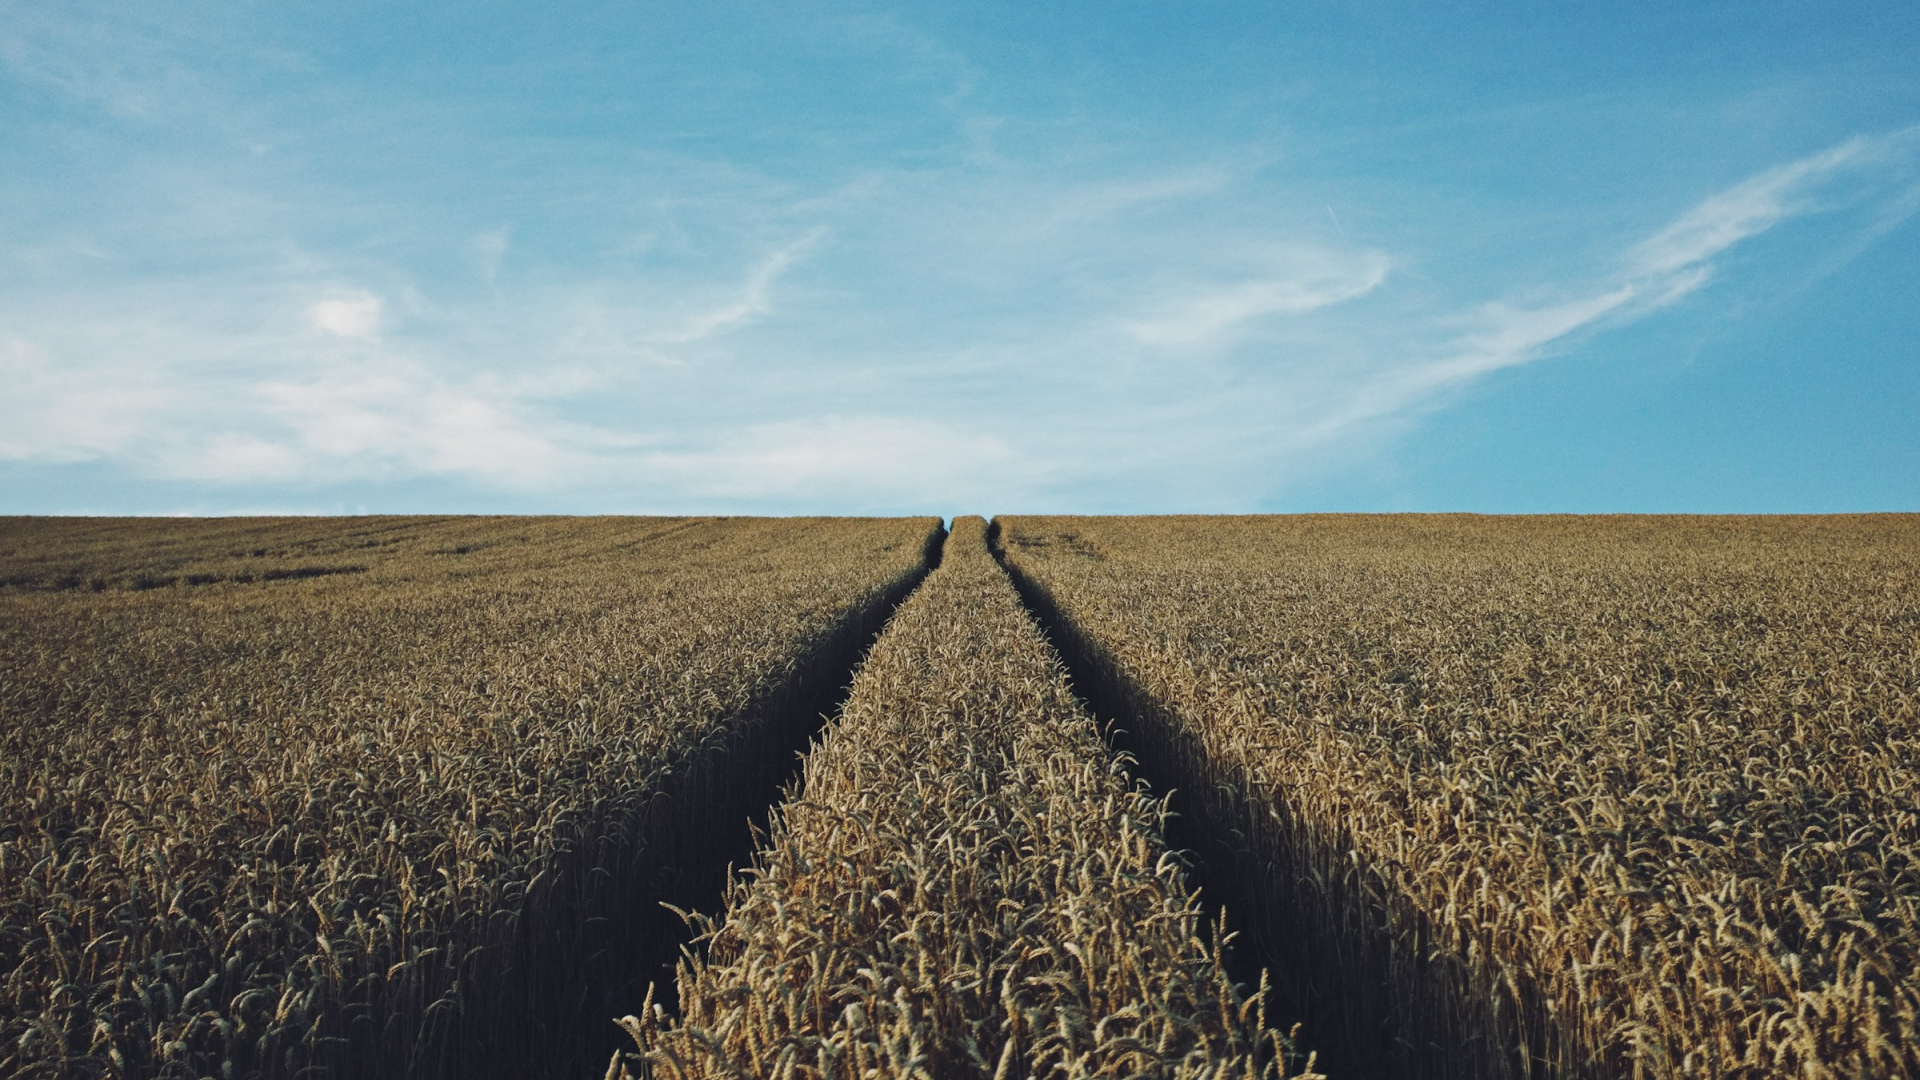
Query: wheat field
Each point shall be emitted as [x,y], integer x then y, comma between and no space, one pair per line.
[965,883]
[649,798]
[389,797]
[1617,797]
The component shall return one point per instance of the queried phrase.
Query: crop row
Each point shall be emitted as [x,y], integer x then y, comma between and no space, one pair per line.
[966,884]
[410,818]
[1562,797]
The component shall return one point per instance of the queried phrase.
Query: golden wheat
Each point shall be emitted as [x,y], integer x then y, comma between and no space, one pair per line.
[1578,797]
[387,796]
[967,884]
[1602,797]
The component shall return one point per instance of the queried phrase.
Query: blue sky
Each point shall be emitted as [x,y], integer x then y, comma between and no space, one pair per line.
[962,258]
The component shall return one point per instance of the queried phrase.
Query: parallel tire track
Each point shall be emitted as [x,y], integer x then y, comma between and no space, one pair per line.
[966,884]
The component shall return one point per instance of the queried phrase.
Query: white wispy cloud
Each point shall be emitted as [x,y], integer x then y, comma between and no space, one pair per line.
[1208,315]
[754,298]
[1101,200]
[490,249]
[130,72]
[186,383]
[355,315]
[395,418]
[1756,205]
[58,412]
[854,460]
[1652,274]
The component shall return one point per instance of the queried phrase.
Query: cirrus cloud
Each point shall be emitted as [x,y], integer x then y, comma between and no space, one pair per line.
[1209,315]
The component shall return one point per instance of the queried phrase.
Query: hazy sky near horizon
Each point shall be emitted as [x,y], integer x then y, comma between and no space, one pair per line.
[956,258]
